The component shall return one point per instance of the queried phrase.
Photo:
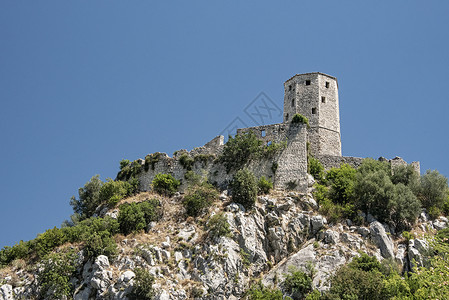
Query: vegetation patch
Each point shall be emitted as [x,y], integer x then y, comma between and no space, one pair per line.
[165,184]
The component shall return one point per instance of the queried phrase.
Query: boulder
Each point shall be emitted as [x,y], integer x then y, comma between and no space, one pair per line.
[381,239]
[317,223]
[331,237]
[6,292]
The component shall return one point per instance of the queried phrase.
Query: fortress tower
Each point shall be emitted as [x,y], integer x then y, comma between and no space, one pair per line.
[315,95]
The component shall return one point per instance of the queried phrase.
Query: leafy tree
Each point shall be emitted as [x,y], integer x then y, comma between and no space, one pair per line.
[238,151]
[244,188]
[433,191]
[406,175]
[403,207]
[99,243]
[165,184]
[112,191]
[89,198]
[341,183]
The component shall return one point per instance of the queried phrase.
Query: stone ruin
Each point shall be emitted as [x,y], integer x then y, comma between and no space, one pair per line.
[313,95]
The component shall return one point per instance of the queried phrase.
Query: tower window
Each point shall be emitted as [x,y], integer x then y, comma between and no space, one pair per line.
[286,117]
[313,110]
[293,102]
[290,87]
[327,84]
[307,82]
[262,133]
[323,99]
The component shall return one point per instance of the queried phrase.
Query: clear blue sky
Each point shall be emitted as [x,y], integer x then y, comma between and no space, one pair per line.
[84,84]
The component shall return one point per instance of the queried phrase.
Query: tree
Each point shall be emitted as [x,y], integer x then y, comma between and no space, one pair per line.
[244,188]
[89,198]
[433,190]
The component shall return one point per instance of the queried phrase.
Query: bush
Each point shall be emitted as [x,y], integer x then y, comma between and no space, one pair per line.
[238,151]
[244,188]
[112,192]
[264,185]
[300,119]
[151,160]
[143,285]
[218,226]
[99,243]
[165,184]
[406,175]
[260,292]
[341,182]
[198,198]
[89,198]
[186,161]
[433,190]
[403,207]
[136,216]
[128,170]
[297,283]
[315,168]
[54,275]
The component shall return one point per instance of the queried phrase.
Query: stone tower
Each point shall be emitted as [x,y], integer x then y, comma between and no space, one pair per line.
[315,95]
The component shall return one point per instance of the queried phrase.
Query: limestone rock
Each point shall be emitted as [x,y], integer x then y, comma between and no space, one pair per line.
[6,292]
[381,239]
[331,237]
[317,223]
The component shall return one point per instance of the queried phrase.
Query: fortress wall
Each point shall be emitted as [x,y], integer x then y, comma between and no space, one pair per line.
[268,133]
[328,142]
[330,161]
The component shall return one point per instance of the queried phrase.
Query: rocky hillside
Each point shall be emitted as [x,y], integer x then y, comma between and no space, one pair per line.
[187,259]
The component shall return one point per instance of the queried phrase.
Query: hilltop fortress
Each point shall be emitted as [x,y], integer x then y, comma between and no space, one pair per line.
[313,95]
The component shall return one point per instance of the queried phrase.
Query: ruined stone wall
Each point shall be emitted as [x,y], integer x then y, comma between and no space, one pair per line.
[268,133]
[330,161]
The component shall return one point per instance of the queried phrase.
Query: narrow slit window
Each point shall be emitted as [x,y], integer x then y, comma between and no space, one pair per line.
[307,82]
[293,102]
[313,110]
[290,87]
[327,84]
[323,99]
[286,117]
[262,133]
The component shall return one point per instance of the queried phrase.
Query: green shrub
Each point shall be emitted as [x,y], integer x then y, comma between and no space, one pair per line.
[143,286]
[353,283]
[300,119]
[165,184]
[151,160]
[89,198]
[20,250]
[198,198]
[315,168]
[264,185]
[406,175]
[433,190]
[99,243]
[186,161]
[54,275]
[297,283]
[403,207]
[341,183]
[47,241]
[238,151]
[136,216]
[270,150]
[244,188]
[218,226]
[260,292]
[112,192]
[365,263]
[128,170]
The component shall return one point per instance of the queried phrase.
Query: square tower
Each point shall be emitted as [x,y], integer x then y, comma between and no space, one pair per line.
[315,96]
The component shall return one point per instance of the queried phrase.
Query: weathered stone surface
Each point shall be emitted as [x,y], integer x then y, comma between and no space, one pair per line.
[317,223]
[331,237]
[6,292]
[381,239]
